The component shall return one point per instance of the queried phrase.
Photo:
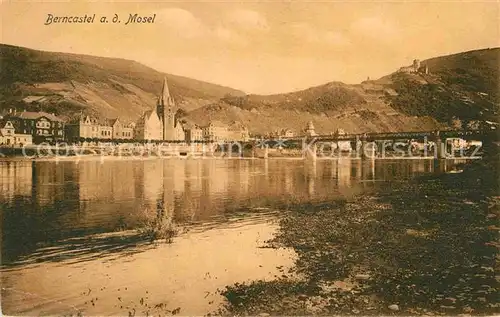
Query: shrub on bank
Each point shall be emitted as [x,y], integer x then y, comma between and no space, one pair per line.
[157,225]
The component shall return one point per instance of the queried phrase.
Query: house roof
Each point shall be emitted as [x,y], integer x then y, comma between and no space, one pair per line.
[104,122]
[3,123]
[82,118]
[36,115]
[146,115]
[190,126]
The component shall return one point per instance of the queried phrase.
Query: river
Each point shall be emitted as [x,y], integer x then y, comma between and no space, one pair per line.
[68,247]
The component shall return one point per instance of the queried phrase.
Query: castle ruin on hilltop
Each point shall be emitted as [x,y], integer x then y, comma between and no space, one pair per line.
[416,67]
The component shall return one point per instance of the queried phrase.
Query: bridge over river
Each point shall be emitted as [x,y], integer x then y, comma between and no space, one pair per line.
[420,135]
[364,145]
[368,143]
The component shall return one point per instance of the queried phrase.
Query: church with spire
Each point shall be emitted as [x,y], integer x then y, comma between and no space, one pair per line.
[161,124]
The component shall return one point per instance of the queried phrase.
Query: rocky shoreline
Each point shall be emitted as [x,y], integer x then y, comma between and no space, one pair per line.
[427,247]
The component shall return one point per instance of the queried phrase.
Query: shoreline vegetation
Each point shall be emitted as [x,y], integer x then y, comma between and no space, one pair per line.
[426,247]
[157,225]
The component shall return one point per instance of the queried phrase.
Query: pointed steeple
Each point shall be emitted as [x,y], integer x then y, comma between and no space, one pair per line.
[165,94]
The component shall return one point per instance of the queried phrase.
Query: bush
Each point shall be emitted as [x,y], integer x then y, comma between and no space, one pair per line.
[157,225]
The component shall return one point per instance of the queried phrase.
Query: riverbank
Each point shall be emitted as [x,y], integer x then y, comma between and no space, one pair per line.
[427,247]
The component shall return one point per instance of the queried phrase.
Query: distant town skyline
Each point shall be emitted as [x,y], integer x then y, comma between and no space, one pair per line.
[262,48]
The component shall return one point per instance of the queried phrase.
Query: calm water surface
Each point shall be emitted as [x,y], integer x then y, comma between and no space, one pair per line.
[66,242]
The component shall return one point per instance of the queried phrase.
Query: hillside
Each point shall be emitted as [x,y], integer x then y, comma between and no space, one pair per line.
[354,108]
[269,119]
[325,98]
[68,83]
[462,86]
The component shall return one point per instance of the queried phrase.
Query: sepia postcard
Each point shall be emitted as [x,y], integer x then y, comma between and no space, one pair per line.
[249,158]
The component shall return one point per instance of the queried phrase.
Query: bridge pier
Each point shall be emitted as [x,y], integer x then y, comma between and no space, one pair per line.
[311,152]
[260,152]
[440,148]
[359,148]
[367,152]
[364,149]
[439,151]
[440,165]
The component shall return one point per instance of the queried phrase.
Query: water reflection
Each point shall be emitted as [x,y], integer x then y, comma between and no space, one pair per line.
[16,179]
[41,202]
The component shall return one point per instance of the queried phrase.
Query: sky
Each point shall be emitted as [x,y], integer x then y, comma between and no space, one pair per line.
[261,47]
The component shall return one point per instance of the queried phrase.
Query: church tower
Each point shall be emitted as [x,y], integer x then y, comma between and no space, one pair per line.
[166,110]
